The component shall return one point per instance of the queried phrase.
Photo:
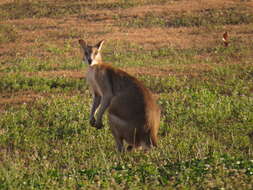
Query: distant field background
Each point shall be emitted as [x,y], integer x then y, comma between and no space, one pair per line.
[175,47]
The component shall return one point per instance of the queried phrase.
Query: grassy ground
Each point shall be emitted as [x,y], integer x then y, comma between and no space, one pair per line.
[175,47]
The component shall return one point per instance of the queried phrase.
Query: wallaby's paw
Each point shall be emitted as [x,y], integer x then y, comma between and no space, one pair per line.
[93,122]
[99,125]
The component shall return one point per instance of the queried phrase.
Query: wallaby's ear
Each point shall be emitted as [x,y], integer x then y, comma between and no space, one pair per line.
[100,44]
[82,43]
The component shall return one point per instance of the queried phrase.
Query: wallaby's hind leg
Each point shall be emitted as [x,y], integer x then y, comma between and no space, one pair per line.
[149,141]
[118,138]
[119,143]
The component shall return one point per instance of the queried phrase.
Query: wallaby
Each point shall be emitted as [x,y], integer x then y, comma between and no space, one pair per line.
[134,116]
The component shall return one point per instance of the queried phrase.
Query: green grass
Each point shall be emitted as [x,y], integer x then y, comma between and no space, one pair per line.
[51,57]
[203,137]
[203,143]
[18,82]
[32,64]
[126,54]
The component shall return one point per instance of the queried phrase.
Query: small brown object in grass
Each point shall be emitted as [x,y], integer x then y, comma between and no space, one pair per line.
[225,39]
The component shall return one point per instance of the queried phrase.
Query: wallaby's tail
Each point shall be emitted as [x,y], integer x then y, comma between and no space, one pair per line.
[154,124]
[153,137]
[154,129]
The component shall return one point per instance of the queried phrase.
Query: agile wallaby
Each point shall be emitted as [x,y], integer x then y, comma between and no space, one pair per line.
[133,114]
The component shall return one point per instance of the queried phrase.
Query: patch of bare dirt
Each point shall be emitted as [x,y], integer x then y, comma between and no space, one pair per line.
[5,1]
[249,3]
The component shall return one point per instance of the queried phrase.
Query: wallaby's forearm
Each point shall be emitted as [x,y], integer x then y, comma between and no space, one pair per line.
[105,102]
[95,104]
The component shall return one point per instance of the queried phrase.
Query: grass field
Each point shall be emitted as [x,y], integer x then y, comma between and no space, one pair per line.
[205,91]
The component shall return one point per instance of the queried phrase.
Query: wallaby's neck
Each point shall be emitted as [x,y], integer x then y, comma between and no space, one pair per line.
[95,62]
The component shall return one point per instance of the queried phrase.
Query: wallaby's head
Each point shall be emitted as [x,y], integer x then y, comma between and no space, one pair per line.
[92,54]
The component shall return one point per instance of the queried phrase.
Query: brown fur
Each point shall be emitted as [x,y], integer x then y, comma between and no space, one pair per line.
[133,114]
